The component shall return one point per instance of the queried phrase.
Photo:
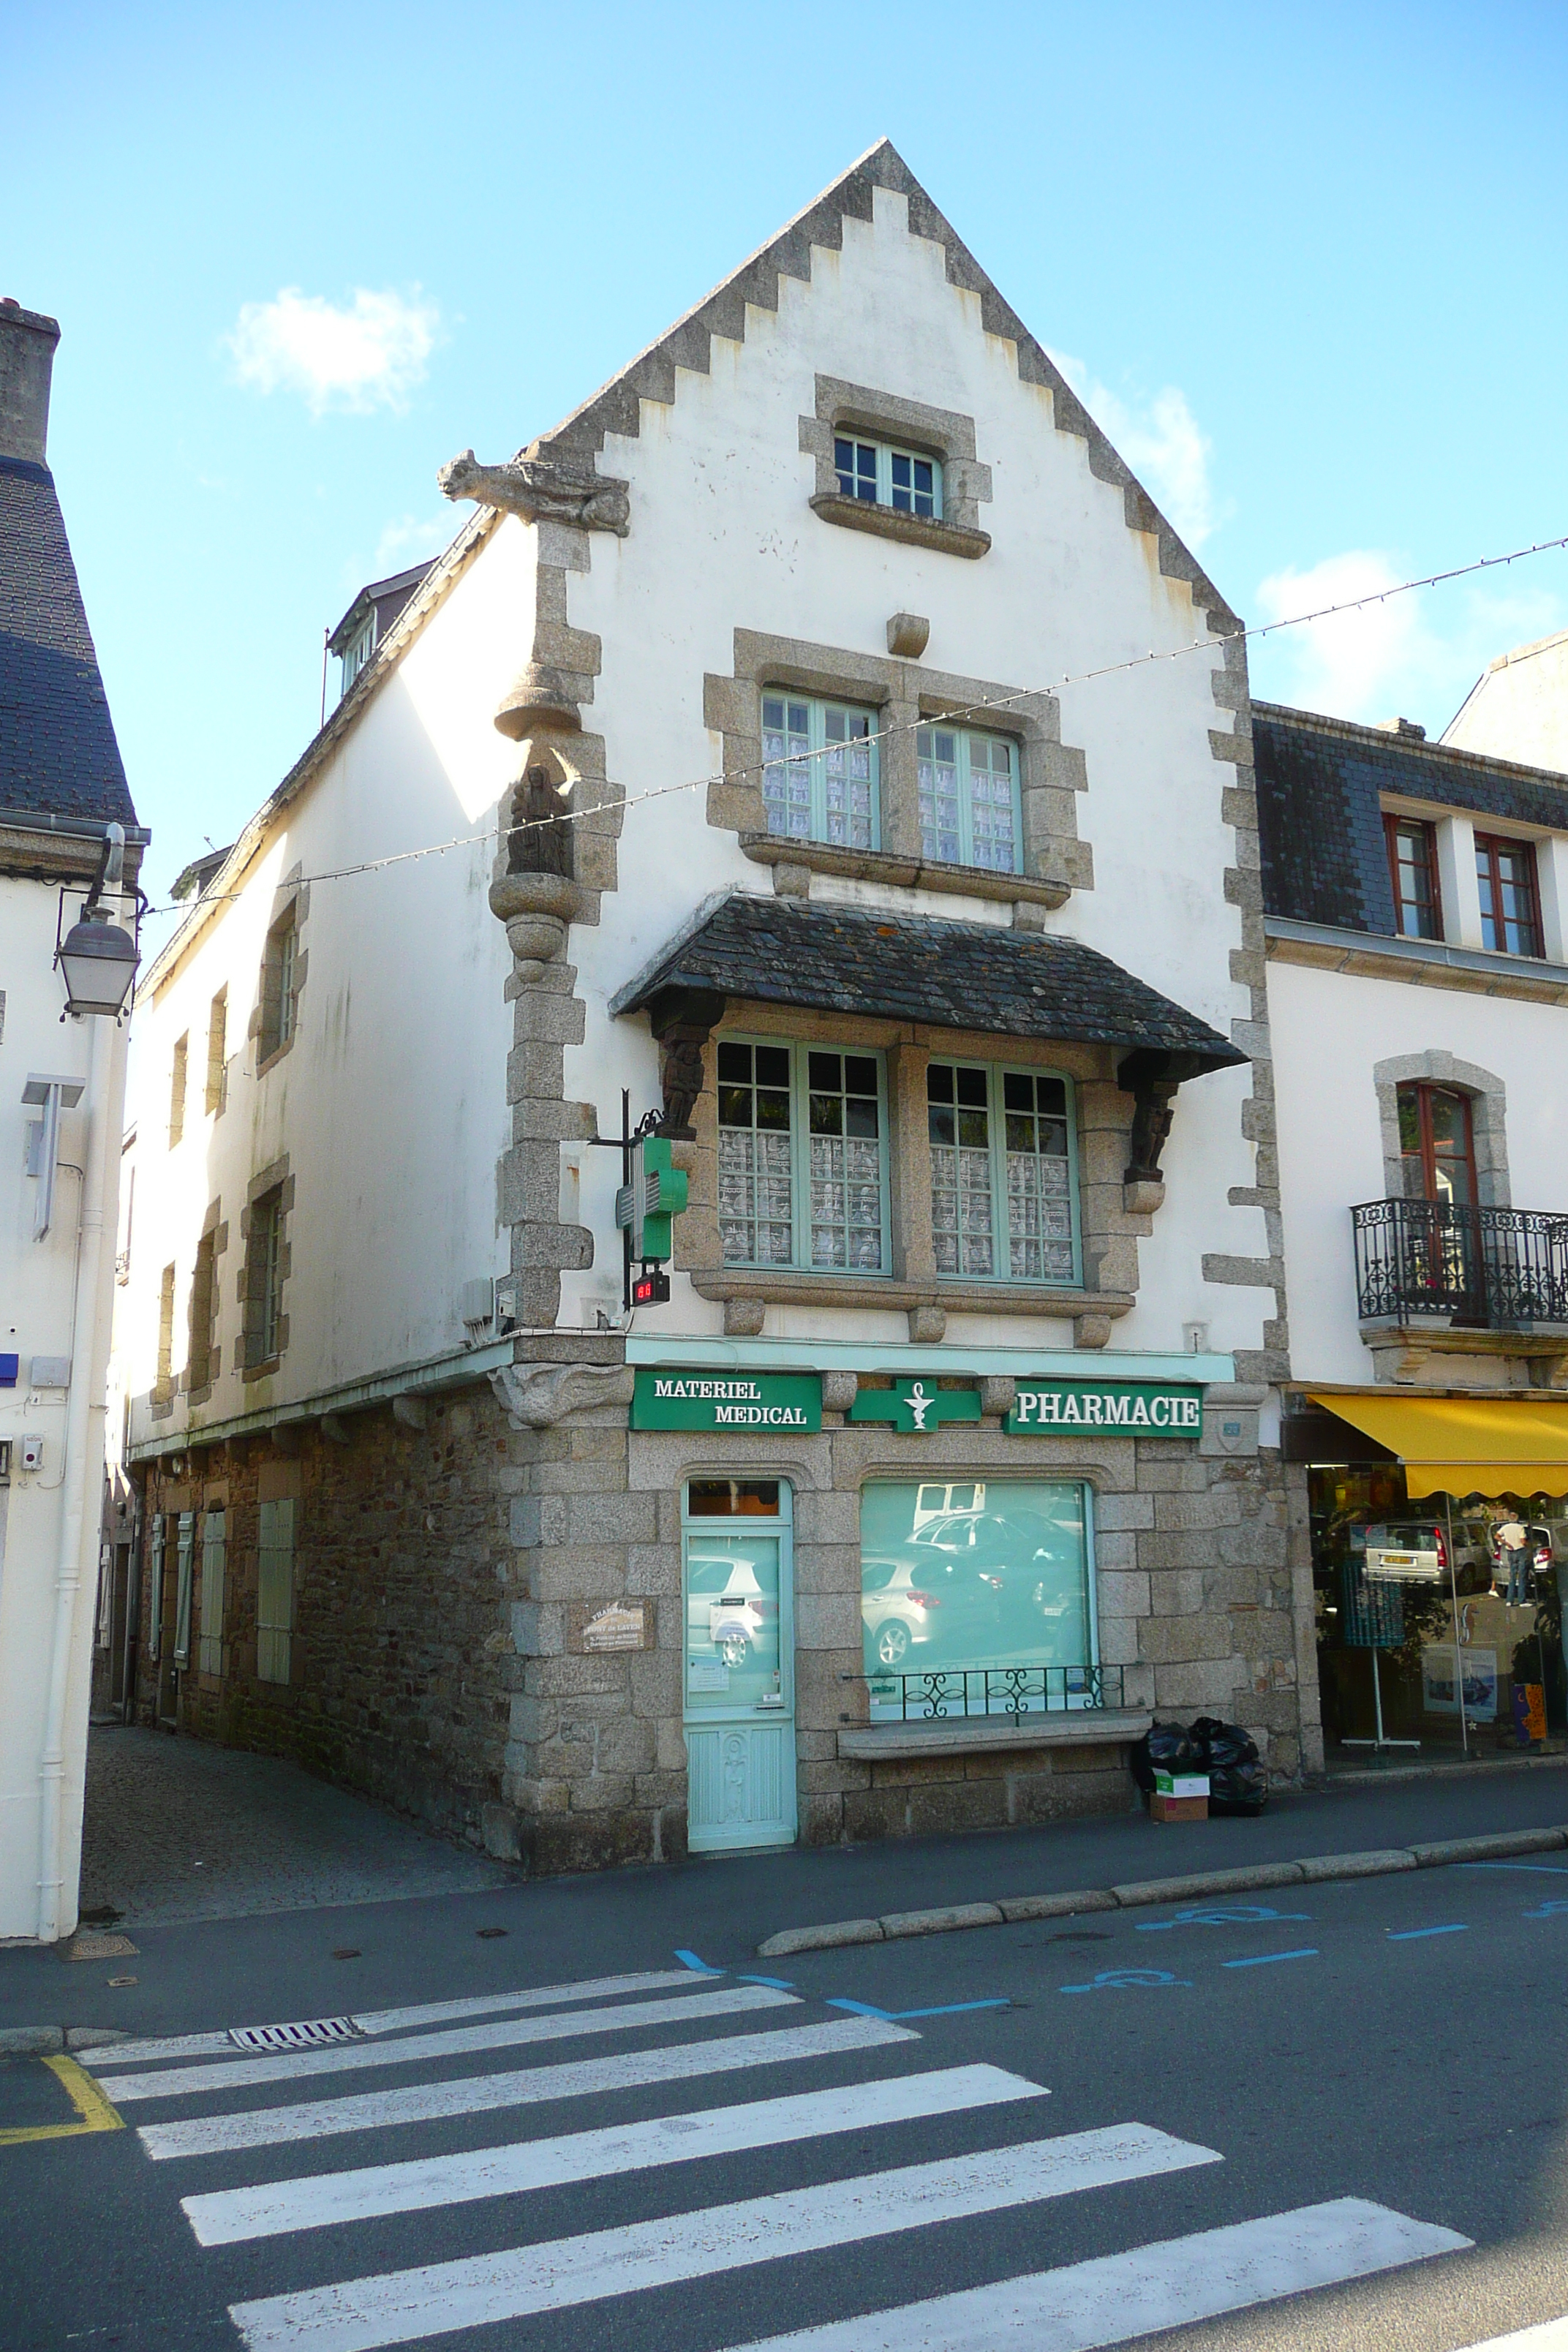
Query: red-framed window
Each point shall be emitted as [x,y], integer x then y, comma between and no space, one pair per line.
[1437,1141]
[1413,872]
[1510,902]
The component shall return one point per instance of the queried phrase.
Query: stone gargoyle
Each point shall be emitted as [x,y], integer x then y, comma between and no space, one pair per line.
[542,490]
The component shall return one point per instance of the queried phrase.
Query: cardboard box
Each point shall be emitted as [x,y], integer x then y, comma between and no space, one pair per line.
[1179,1797]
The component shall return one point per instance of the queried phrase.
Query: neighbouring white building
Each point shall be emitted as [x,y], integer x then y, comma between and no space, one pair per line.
[1416,914]
[743,707]
[67,838]
[1518,708]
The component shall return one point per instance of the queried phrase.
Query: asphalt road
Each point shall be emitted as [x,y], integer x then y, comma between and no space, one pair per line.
[1361,2084]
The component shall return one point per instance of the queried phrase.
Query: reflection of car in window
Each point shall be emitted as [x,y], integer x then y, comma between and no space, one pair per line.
[736,1619]
[896,1608]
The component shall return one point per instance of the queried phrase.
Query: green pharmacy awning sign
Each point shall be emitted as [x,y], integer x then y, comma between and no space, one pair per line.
[917,1407]
[727,1401]
[1129,1408]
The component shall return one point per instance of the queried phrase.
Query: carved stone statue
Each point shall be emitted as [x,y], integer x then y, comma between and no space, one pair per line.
[536,1396]
[542,490]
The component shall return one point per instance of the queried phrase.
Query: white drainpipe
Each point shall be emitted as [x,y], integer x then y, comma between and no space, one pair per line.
[85,1410]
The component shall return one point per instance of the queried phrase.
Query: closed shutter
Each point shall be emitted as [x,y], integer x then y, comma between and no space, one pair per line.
[275,1591]
[215,1559]
[155,1614]
[184,1558]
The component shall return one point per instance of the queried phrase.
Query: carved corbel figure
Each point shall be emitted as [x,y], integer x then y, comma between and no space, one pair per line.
[536,1396]
[542,490]
[682,1019]
[1152,1078]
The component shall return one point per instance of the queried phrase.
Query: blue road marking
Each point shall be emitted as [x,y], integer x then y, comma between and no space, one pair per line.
[1131,1980]
[1536,1869]
[1239,1915]
[1546,1911]
[690,1960]
[1413,1934]
[779,1984]
[1265,1959]
[898,2016]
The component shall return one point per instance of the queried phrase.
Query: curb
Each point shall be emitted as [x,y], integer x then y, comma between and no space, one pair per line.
[1311,1870]
[44,2040]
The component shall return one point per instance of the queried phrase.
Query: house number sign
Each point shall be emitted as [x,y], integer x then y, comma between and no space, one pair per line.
[1156,1409]
[723,1401]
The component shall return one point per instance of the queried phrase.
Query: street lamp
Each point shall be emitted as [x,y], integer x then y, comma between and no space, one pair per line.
[98,958]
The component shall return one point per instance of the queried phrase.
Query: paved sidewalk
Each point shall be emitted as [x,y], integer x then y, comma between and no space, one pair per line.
[178,1830]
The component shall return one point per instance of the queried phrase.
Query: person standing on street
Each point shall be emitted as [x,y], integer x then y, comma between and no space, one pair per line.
[1515,1545]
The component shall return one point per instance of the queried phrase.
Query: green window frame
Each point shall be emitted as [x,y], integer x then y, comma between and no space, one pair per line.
[1004,1151]
[275,1591]
[821,774]
[802,1157]
[970,807]
[879,473]
[215,1562]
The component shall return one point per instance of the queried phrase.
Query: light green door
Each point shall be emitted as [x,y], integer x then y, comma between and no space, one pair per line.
[739,1663]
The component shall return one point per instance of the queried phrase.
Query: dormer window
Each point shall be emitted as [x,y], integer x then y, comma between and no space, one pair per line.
[355,655]
[878,474]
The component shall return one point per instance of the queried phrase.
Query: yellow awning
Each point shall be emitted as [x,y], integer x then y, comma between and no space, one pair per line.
[1466,1445]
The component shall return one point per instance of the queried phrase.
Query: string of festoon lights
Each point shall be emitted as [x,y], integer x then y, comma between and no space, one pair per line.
[967,711]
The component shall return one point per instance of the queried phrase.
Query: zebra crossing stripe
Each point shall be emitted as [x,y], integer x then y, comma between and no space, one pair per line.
[475,2093]
[1120,2296]
[224,2216]
[1550,2336]
[438,2298]
[339,2057]
[430,2012]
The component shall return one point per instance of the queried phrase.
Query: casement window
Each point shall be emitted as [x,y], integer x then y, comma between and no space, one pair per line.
[803,1163]
[178,1089]
[820,770]
[1413,872]
[279,987]
[356,653]
[166,1331]
[1436,1143]
[264,1278]
[969,800]
[1511,904]
[217,1049]
[185,1556]
[1004,1173]
[880,474]
[204,1301]
[215,1571]
[978,1591]
[275,1591]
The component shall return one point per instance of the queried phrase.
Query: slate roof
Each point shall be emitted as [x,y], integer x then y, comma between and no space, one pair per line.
[972,976]
[1320,783]
[59,756]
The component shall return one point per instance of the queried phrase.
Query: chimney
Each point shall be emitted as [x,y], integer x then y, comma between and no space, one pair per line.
[27,342]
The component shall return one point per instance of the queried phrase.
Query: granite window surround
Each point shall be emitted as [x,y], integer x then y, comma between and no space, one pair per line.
[904,694]
[888,417]
[255,1313]
[1110,1228]
[1489,1119]
[205,1358]
[290,906]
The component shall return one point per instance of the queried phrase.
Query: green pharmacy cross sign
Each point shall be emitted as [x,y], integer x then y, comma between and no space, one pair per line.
[916,1406]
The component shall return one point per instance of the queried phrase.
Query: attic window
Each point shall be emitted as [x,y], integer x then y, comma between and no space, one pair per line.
[878,474]
[355,655]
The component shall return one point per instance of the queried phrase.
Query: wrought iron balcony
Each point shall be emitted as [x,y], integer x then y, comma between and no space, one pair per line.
[1485,1269]
[940,1692]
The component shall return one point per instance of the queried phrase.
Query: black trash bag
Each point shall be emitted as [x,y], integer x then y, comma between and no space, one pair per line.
[1238,1780]
[1165,1747]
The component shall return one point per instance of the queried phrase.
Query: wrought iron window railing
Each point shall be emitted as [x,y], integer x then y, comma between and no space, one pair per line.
[1495,1269]
[944,1692]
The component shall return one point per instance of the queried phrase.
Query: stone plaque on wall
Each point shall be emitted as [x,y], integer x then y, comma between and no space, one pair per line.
[595,1626]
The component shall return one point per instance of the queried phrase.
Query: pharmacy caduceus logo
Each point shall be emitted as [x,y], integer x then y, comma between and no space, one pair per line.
[917,1407]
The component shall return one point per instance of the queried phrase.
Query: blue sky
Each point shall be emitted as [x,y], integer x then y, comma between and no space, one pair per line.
[1304,261]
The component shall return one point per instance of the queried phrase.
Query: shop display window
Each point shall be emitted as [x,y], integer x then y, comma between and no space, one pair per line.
[1437,1629]
[976,1596]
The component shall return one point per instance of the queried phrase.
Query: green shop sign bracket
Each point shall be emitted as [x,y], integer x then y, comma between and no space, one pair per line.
[916,1406]
[1152,1409]
[677,1398]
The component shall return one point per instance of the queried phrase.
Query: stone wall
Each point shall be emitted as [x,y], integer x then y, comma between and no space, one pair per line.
[403,1584]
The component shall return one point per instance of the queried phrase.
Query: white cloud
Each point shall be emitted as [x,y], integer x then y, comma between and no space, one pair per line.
[1415,656]
[410,539]
[370,354]
[1162,441]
